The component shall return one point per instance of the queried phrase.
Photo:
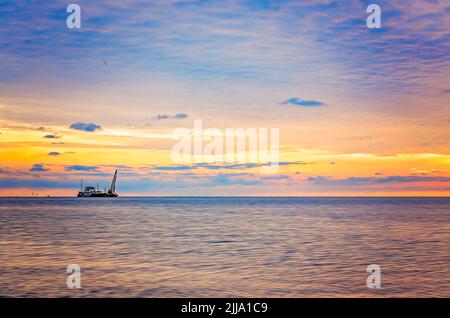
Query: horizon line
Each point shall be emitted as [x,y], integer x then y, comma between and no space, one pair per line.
[239,196]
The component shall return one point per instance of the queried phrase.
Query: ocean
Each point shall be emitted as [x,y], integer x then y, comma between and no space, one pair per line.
[224,246]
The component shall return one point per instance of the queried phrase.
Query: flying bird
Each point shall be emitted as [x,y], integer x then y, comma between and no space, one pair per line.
[106,63]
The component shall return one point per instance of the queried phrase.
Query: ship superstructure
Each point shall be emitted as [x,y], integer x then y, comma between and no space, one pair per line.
[91,191]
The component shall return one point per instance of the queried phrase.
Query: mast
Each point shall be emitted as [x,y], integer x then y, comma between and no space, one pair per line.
[81,185]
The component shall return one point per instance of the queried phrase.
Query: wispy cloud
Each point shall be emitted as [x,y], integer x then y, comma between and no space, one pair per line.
[301,102]
[88,127]
[225,166]
[81,168]
[264,37]
[424,172]
[11,183]
[54,153]
[175,168]
[354,181]
[166,116]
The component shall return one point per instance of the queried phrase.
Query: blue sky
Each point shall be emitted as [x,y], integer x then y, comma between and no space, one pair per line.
[267,41]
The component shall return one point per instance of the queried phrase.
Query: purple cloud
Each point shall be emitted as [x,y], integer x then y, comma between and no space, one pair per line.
[52,136]
[38,167]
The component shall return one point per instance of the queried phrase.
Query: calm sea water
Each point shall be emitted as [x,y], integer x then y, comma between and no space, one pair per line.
[210,247]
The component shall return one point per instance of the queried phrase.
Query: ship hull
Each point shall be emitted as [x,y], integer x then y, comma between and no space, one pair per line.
[97,195]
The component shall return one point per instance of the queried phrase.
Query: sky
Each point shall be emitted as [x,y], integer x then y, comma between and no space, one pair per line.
[360,112]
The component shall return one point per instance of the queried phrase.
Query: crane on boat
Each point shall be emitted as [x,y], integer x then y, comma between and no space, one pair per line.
[90,191]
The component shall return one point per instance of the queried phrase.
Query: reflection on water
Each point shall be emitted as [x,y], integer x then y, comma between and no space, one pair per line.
[205,247]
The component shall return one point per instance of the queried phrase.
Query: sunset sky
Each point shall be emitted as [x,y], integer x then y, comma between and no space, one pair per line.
[360,111]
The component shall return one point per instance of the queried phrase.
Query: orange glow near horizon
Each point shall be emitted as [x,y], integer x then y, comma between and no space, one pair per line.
[318,172]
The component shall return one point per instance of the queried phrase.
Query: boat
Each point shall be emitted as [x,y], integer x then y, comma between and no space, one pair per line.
[92,192]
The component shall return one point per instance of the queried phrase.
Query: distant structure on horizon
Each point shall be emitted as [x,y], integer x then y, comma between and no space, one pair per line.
[91,191]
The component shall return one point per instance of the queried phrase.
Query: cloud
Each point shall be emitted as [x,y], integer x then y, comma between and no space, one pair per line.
[243,178]
[54,153]
[229,166]
[89,127]
[11,183]
[301,102]
[318,179]
[81,168]
[174,168]
[38,167]
[52,136]
[250,165]
[185,183]
[423,172]
[264,47]
[166,116]
[355,181]
[181,116]
[231,179]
